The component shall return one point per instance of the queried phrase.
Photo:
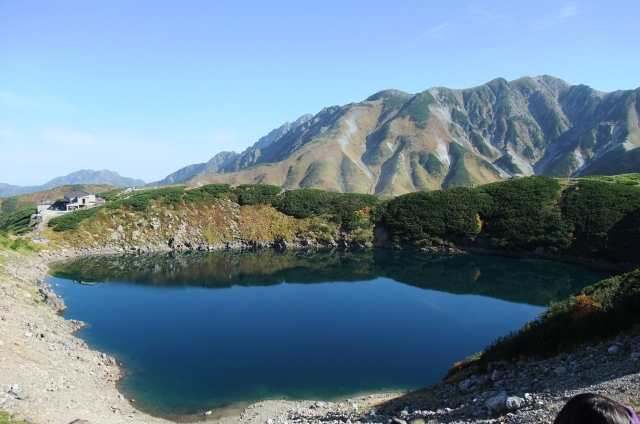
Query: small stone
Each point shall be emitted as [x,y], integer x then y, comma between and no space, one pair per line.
[207,413]
[514,402]
[496,375]
[28,334]
[635,354]
[465,384]
[613,349]
[560,370]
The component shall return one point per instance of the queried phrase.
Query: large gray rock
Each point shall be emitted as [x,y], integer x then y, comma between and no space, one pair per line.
[497,403]
[514,402]
[53,301]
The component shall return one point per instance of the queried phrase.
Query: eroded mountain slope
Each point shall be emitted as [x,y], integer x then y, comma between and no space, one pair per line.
[394,142]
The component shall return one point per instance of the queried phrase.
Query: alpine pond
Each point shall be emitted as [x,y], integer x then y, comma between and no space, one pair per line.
[197,331]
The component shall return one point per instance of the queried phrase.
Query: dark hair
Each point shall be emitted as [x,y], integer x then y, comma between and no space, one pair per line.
[590,408]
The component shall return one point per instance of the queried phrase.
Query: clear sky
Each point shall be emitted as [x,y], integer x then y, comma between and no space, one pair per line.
[146,87]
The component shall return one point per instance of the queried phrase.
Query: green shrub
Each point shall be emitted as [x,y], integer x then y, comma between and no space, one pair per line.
[251,194]
[514,214]
[111,195]
[209,191]
[71,220]
[523,214]
[599,311]
[18,244]
[10,204]
[426,217]
[16,222]
[5,418]
[592,208]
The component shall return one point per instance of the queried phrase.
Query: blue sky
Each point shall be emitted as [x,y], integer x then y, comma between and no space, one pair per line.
[146,87]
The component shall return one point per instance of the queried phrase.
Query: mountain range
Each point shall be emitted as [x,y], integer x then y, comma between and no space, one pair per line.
[84,176]
[224,159]
[395,142]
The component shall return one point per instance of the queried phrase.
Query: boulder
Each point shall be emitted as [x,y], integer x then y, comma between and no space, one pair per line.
[53,301]
[465,384]
[514,402]
[497,403]
[560,370]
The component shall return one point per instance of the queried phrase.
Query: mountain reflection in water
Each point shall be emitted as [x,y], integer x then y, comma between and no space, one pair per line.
[523,281]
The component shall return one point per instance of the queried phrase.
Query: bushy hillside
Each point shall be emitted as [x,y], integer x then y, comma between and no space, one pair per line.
[219,214]
[592,217]
[599,311]
[394,142]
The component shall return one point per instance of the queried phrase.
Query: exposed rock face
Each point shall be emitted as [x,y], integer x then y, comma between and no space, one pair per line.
[394,142]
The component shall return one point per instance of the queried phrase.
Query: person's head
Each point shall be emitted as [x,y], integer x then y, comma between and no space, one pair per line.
[589,408]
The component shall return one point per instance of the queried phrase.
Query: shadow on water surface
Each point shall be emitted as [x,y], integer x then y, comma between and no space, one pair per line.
[532,282]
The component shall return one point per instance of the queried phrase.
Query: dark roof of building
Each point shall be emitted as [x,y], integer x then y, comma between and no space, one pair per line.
[74,194]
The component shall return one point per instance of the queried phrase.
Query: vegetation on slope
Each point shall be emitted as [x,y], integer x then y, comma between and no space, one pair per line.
[592,218]
[16,244]
[5,418]
[16,222]
[598,311]
[219,213]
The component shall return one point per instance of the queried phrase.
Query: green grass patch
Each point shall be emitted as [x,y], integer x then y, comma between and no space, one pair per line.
[17,244]
[17,222]
[5,418]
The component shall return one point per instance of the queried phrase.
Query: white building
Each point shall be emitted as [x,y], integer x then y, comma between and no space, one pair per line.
[78,200]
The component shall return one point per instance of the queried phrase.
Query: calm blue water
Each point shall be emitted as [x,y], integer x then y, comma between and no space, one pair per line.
[201,331]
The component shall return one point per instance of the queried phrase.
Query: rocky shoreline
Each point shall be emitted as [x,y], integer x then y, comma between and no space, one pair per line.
[49,375]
